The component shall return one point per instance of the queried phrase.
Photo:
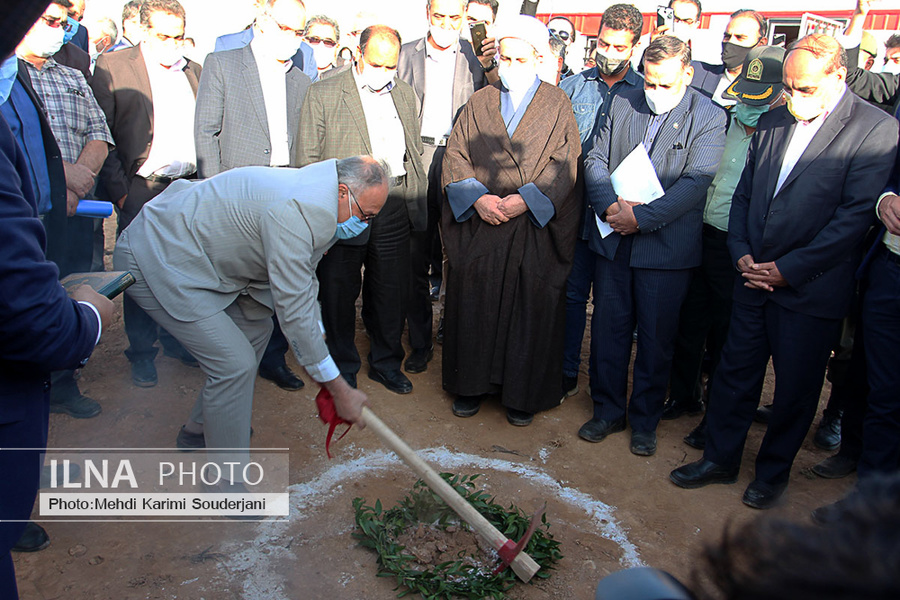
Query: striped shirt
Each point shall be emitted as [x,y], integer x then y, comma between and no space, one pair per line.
[73,113]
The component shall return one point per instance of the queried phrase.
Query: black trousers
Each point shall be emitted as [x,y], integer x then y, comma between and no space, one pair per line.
[22,471]
[799,346]
[385,288]
[420,315]
[881,324]
[141,330]
[624,297]
[703,322]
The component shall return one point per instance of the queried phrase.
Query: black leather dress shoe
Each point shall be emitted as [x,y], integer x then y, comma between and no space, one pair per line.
[834,512]
[418,360]
[697,437]
[596,430]
[702,473]
[763,496]
[34,538]
[188,442]
[674,409]
[519,418]
[828,433]
[77,405]
[466,406]
[763,414]
[283,377]
[393,380]
[143,373]
[643,443]
[835,467]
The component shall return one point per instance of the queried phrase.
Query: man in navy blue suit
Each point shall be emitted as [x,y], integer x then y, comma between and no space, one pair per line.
[796,229]
[643,269]
[40,328]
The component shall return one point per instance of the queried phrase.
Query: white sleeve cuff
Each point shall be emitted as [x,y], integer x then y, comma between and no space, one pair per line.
[324,370]
[99,320]
[850,42]
[878,204]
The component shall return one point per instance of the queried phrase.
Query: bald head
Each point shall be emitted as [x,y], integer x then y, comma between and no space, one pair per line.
[815,70]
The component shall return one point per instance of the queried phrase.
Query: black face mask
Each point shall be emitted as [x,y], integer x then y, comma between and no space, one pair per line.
[609,67]
[733,55]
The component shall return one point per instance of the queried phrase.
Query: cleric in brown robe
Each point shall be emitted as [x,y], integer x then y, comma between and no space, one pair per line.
[509,227]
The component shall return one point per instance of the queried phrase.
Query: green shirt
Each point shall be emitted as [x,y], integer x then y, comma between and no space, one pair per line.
[718,197]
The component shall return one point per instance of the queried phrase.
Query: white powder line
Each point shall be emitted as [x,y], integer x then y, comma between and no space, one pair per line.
[259,581]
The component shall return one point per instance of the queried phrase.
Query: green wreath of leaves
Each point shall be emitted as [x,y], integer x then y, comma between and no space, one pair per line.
[379,530]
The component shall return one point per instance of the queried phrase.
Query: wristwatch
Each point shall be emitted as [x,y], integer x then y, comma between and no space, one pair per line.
[490,68]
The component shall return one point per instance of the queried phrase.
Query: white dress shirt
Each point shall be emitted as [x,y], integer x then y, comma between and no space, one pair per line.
[804,132]
[440,71]
[273,79]
[172,152]
[384,125]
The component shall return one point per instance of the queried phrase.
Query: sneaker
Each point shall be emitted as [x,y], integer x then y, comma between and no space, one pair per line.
[570,385]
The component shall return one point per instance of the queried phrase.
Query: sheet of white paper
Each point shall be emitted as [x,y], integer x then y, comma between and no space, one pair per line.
[603,227]
[635,178]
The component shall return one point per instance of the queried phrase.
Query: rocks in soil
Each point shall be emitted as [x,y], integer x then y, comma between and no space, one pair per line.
[431,545]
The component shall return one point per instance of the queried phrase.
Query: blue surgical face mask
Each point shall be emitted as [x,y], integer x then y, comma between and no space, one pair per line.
[71,29]
[749,115]
[8,70]
[353,226]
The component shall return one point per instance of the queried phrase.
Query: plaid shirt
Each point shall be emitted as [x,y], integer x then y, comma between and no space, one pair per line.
[74,115]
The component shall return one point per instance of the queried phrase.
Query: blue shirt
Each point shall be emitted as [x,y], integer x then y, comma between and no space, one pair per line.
[591,98]
[25,123]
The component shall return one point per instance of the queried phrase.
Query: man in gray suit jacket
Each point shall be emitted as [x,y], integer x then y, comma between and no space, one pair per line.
[248,111]
[644,267]
[444,71]
[213,260]
[365,110]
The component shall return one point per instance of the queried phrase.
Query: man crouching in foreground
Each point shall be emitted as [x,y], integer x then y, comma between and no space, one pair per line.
[212,259]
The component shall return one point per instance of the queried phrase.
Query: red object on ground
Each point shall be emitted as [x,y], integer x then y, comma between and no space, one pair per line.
[328,415]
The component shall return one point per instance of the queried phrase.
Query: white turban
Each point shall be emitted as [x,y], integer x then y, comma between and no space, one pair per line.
[527,29]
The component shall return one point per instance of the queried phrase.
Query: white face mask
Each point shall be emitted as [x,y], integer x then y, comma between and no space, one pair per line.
[516,78]
[166,53]
[804,108]
[44,41]
[891,67]
[444,38]
[662,101]
[324,55]
[376,79]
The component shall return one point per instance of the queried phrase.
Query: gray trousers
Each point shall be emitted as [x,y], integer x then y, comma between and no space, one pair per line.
[228,347]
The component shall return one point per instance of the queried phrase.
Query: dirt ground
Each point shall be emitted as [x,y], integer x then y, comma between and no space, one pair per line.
[608,508]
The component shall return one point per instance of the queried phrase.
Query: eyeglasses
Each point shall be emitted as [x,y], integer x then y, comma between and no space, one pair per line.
[311,39]
[165,38]
[365,217]
[56,23]
[563,35]
[685,21]
[285,28]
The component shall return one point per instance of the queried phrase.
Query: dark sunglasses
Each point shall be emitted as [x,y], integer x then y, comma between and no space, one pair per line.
[311,39]
[563,35]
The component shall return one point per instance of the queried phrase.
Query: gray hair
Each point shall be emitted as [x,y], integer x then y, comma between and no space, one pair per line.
[323,20]
[359,173]
[106,26]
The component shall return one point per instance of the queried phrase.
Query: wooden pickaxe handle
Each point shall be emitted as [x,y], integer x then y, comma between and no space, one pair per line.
[523,565]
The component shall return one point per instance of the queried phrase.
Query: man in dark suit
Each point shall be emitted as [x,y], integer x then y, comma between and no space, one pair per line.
[367,110]
[444,71]
[746,29]
[42,328]
[147,94]
[796,228]
[644,267]
[248,113]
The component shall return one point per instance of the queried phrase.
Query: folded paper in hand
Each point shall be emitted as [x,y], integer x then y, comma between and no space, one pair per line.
[633,180]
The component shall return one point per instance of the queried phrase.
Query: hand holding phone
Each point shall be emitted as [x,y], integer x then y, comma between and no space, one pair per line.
[478,32]
[665,17]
